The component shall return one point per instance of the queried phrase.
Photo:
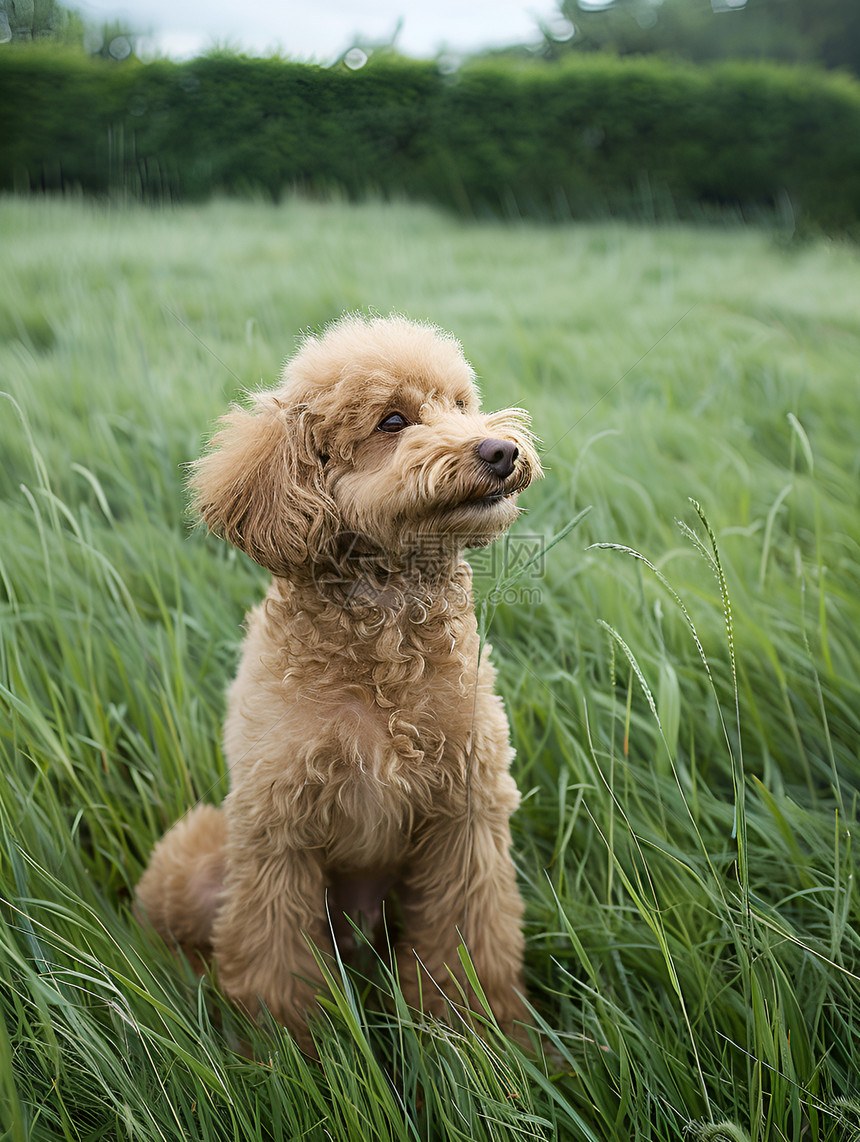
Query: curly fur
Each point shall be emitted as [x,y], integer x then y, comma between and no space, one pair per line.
[368,752]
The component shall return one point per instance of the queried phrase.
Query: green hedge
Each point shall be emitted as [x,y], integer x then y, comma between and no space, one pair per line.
[587,135]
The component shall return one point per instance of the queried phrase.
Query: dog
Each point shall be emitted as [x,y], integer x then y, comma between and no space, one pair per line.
[368,754]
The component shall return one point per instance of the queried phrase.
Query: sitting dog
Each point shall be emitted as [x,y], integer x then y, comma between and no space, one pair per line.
[367,751]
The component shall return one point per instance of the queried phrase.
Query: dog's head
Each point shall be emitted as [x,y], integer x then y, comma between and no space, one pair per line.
[373,442]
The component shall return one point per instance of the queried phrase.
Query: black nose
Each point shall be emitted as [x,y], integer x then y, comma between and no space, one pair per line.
[499,455]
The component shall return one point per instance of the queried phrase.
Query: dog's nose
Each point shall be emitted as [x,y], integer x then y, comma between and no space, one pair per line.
[499,455]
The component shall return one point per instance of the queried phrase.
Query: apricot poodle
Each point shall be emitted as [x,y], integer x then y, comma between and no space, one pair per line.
[368,754]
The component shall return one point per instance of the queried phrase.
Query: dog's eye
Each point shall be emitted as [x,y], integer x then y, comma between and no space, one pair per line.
[394,422]
[460,404]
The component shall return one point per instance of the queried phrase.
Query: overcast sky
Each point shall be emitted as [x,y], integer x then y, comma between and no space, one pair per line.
[322,29]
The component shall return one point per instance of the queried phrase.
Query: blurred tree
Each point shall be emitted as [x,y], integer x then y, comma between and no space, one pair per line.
[114,41]
[827,31]
[25,20]
[22,20]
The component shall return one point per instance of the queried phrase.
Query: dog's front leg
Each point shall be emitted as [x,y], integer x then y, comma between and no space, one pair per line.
[461,887]
[273,904]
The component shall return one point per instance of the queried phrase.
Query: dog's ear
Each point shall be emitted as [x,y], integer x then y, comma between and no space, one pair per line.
[260,486]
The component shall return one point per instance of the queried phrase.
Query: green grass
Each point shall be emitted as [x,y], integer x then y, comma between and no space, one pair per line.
[685,712]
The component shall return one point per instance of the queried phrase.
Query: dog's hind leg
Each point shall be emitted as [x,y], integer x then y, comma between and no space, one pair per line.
[180,891]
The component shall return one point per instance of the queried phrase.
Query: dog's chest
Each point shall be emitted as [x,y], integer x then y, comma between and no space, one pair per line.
[384,695]
[371,774]
[357,732]
[363,737]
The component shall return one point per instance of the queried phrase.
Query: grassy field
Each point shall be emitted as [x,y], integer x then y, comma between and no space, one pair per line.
[684,704]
